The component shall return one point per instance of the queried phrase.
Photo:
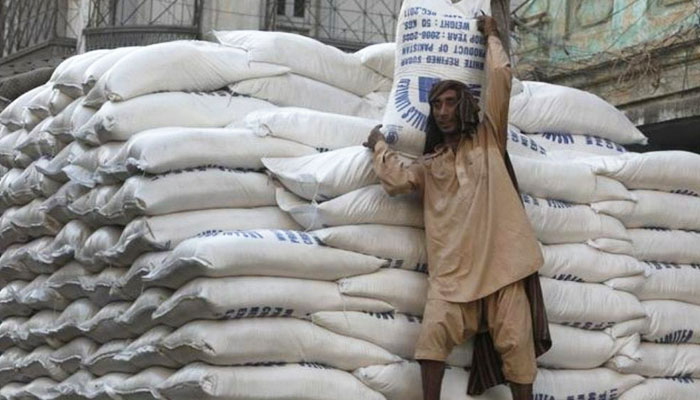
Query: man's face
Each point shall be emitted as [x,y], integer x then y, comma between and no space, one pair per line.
[445,109]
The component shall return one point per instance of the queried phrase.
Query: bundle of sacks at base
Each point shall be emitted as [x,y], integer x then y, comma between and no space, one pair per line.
[147,252]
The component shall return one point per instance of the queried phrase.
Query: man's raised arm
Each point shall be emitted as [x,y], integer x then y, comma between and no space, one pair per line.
[498,78]
[396,177]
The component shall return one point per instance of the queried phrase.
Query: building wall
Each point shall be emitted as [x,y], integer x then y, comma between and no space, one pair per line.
[562,31]
[641,55]
[228,15]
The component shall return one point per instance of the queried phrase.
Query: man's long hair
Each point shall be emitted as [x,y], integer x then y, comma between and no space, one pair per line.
[468,113]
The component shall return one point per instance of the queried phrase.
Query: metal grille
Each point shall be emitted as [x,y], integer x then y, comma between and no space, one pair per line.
[348,24]
[116,13]
[117,23]
[29,23]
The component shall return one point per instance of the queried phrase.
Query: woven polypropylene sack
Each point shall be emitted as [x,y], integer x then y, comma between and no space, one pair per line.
[270,340]
[166,149]
[305,381]
[435,41]
[330,65]
[544,107]
[367,205]
[253,297]
[261,253]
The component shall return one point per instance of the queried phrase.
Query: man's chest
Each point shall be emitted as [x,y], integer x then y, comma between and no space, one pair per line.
[450,172]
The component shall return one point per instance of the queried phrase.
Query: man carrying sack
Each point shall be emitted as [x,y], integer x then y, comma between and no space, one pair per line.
[483,255]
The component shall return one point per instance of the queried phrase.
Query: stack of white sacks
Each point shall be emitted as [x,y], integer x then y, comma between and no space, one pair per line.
[119,158]
[145,254]
[665,237]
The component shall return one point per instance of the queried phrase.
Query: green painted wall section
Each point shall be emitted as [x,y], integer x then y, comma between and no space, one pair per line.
[574,32]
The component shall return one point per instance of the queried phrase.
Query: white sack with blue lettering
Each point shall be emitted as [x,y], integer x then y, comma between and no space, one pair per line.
[306,381]
[190,189]
[663,281]
[402,246]
[662,245]
[184,65]
[590,306]
[321,130]
[367,205]
[163,232]
[323,176]
[598,383]
[556,222]
[157,151]
[435,40]
[290,90]
[661,360]
[653,208]
[574,144]
[258,296]
[406,291]
[672,321]
[574,348]
[670,171]
[552,179]
[118,121]
[402,381]
[545,108]
[396,332]
[281,253]
[258,340]
[580,262]
[664,388]
[307,57]
[524,145]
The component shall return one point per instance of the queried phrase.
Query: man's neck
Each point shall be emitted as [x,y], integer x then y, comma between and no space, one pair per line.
[452,141]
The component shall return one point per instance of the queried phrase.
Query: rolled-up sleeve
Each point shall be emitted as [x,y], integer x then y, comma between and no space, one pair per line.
[397,177]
